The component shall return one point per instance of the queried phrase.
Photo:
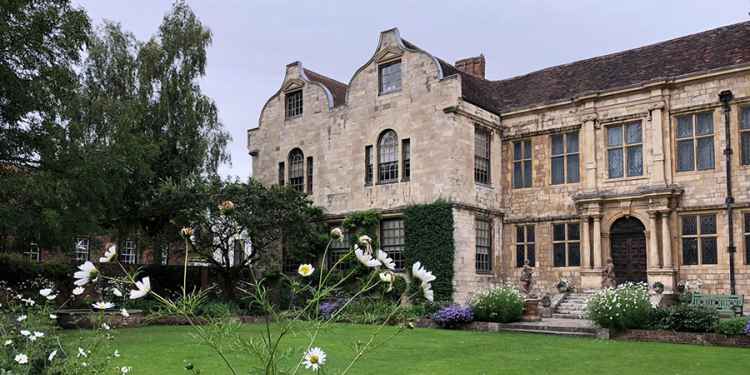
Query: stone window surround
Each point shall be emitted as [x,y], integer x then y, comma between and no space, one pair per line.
[296,169]
[383,65]
[298,109]
[488,155]
[522,161]
[695,137]
[489,247]
[699,235]
[394,163]
[718,152]
[525,244]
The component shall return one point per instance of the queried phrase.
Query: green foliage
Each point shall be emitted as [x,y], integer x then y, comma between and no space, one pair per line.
[429,240]
[377,312]
[502,304]
[626,306]
[217,309]
[685,318]
[17,269]
[733,326]
[361,223]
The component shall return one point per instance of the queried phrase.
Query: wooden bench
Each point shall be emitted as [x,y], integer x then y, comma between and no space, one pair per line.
[729,304]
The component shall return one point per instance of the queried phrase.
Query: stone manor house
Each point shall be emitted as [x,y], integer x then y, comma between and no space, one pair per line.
[641,157]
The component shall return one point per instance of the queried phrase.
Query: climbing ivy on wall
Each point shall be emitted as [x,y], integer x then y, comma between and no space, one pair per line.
[429,239]
[363,222]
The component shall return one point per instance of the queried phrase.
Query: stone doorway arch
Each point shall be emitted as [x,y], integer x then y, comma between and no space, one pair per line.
[628,249]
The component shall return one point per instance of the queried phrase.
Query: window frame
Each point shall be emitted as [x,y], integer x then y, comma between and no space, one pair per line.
[527,181]
[566,155]
[567,241]
[744,129]
[699,236]
[394,250]
[296,169]
[483,253]
[624,146]
[309,166]
[282,173]
[164,253]
[694,137]
[482,176]
[525,244]
[33,252]
[293,108]
[77,254]
[392,165]
[383,66]
[369,166]
[129,254]
[405,159]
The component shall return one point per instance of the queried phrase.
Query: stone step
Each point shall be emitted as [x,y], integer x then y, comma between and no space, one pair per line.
[541,326]
[565,310]
[548,332]
[567,316]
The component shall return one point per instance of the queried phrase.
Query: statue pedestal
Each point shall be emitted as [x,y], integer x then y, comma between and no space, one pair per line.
[664,276]
[531,311]
[591,279]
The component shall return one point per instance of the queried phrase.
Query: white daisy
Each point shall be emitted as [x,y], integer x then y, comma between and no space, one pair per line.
[87,273]
[125,369]
[109,254]
[116,354]
[78,291]
[52,316]
[21,318]
[314,358]
[25,332]
[81,353]
[101,305]
[51,297]
[383,257]
[106,326]
[144,286]
[38,334]
[8,342]
[52,355]
[365,258]
[22,359]
[422,274]
[305,270]
[45,292]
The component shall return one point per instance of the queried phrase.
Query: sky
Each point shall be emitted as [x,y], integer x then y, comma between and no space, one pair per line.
[254,40]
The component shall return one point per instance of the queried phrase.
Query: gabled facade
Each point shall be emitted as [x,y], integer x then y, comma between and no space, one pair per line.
[620,156]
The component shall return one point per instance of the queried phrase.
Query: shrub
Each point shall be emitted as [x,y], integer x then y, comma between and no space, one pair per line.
[217,309]
[685,318]
[733,327]
[377,312]
[453,316]
[501,304]
[626,306]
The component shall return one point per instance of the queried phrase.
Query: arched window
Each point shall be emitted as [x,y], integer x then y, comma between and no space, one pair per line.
[297,169]
[388,157]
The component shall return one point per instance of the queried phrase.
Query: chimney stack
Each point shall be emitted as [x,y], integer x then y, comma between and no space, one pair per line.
[472,65]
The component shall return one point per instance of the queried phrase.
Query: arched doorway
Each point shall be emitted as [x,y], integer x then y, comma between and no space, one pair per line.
[628,244]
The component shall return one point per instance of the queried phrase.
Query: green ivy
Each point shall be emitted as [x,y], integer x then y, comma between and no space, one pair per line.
[429,239]
[363,222]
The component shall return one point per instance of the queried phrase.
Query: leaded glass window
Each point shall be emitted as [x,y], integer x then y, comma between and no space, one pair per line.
[296,169]
[695,142]
[388,157]
[565,159]
[566,245]
[699,239]
[309,175]
[81,250]
[294,104]
[483,258]
[625,150]
[406,159]
[392,240]
[745,136]
[522,164]
[127,253]
[482,155]
[390,77]
[368,165]
[525,245]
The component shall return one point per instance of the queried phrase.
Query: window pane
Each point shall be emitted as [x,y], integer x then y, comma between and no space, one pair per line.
[689,251]
[558,232]
[531,254]
[519,234]
[390,77]
[614,135]
[747,223]
[558,170]
[517,152]
[635,161]
[559,255]
[557,144]
[571,140]
[574,232]
[573,169]
[527,149]
[708,250]
[633,133]
[704,123]
[705,153]
[517,175]
[614,160]
[527,173]
[689,225]
[708,224]
[745,123]
[685,126]
[574,254]
[685,161]
[745,147]
[530,233]
[520,256]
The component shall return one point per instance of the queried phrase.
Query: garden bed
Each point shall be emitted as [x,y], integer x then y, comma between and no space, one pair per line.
[674,337]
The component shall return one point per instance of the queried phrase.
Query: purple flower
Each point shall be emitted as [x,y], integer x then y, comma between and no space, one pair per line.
[747,328]
[328,308]
[453,316]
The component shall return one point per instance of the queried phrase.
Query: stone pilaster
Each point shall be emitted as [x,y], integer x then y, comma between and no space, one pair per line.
[585,244]
[658,166]
[653,241]
[666,240]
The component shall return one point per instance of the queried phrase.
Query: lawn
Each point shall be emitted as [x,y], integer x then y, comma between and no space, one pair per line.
[163,349]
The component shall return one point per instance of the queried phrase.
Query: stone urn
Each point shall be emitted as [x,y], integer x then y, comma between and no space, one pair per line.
[87,318]
[531,310]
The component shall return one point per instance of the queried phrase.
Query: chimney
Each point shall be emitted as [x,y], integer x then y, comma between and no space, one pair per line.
[472,65]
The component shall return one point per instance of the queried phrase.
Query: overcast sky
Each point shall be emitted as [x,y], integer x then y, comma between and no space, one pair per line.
[254,40]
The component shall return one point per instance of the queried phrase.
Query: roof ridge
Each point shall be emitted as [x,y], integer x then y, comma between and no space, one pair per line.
[324,76]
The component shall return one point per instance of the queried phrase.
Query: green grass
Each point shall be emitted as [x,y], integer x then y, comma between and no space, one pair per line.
[163,349]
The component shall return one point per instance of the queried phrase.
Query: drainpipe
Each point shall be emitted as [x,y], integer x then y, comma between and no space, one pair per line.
[725,97]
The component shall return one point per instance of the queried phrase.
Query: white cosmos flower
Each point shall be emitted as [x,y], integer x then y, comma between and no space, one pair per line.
[365,240]
[38,334]
[116,354]
[426,277]
[22,359]
[51,297]
[52,316]
[29,302]
[125,369]
[106,326]
[144,286]
[88,272]
[386,277]
[81,353]
[8,342]
[21,318]
[45,292]
[52,355]
[101,305]
[109,254]
[314,358]
[124,313]
[305,270]
[428,294]
[78,291]
[25,332]
[365,258]
[383,257]
[116,292]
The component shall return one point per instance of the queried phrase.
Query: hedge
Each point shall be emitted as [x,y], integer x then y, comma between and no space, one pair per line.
[429,239]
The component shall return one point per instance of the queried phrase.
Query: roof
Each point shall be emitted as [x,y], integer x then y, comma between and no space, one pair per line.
[338,89]
[709,50]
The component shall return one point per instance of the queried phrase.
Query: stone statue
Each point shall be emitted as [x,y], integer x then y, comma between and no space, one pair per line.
[527,277]
[608,275]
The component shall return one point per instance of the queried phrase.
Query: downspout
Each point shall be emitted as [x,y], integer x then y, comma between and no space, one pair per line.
[725,97]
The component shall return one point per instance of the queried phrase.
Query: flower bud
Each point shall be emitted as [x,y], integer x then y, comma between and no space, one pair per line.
[337,234]
[186,232]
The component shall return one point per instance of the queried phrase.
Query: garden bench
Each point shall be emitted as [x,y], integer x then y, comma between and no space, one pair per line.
[723,303]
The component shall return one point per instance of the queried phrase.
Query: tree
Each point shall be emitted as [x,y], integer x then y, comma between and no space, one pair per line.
[237,225]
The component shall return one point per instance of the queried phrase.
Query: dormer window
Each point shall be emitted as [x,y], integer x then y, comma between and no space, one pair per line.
[390,77]
[294,104]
